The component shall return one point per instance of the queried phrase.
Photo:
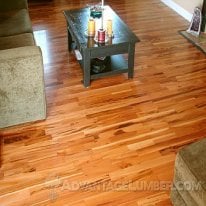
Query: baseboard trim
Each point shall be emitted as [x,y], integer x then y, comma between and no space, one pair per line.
[181,11]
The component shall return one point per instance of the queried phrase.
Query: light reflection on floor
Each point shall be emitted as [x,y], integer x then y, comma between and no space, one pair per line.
[41,38]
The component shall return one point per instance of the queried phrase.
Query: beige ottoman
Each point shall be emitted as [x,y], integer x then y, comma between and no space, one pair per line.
[189,185]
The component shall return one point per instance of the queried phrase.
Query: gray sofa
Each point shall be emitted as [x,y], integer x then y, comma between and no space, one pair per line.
[22,91]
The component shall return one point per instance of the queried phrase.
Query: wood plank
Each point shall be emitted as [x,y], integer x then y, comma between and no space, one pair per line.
[99,145]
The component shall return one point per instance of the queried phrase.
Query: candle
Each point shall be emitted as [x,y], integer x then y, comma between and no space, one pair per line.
[109,27]
[101,35]
[102,4]
[91,27]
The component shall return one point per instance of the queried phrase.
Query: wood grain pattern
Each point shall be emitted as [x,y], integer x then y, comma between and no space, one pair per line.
[114,143]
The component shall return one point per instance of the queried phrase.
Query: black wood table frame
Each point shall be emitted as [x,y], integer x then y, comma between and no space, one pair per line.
[78,40]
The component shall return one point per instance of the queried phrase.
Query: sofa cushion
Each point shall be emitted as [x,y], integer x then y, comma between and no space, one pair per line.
[20,40]
[11,5]
[15,22]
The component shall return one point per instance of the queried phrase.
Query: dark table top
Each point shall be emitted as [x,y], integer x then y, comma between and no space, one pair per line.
[78,21]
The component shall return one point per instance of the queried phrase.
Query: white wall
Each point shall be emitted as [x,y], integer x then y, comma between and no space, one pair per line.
[184,8]
[189,5]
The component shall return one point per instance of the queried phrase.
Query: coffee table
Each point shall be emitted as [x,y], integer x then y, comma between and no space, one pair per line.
[123,42]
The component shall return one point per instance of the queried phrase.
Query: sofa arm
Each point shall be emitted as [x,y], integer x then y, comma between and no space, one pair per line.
[22,92]
[7,5]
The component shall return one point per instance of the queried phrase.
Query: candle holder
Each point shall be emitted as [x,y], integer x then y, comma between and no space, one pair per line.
[96,11]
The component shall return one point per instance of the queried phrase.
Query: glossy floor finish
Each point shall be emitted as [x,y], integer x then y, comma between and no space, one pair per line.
[114,143]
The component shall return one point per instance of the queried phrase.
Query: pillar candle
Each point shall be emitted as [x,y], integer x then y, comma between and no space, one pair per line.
[101,35]
[91,27]
[109,28]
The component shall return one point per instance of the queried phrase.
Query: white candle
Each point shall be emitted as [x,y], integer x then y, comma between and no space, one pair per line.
[102,23]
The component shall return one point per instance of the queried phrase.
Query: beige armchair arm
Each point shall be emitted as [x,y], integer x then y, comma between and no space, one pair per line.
[22,91]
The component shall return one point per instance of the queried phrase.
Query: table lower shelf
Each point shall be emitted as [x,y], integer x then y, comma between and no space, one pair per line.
[115,65]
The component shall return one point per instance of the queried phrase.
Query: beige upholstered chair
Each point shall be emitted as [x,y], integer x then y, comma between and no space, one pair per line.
[22,93]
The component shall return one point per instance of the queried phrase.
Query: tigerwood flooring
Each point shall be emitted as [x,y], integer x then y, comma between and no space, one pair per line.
[114,143]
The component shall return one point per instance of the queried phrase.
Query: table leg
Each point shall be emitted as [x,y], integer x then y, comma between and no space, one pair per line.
[86,68]
[131,54]
[69,40]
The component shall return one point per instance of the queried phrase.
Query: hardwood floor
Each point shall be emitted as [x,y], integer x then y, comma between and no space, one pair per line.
[114,143]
